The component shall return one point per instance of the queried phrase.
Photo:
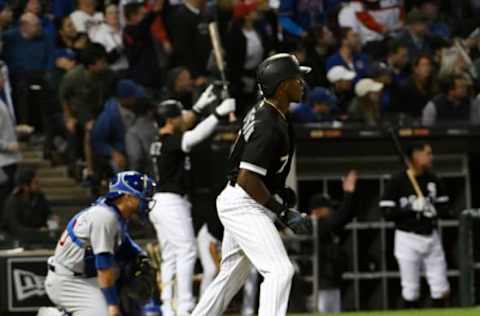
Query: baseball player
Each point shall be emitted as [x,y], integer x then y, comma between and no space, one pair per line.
[417,243]
[83,271]
[260,158]
[171,215]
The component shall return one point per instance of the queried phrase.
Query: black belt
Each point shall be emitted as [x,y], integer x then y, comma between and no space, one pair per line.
[75,274]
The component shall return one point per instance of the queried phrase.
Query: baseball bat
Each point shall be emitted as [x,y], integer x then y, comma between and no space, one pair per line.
[406,162]
[218,54]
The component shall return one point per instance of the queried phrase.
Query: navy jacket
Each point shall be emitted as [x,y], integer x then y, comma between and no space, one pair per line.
[109,131]
[22,55]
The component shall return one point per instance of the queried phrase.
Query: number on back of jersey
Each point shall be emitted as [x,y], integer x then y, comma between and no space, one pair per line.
[156,149]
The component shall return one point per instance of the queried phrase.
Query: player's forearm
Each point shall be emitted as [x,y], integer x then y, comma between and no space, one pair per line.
[106,280]
[200,133]
[254,186]
[106,277]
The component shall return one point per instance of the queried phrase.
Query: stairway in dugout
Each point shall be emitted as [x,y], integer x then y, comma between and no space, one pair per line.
[65,195]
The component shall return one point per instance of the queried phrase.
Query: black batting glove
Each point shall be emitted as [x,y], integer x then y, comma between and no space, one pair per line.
[297,222]
[289,197]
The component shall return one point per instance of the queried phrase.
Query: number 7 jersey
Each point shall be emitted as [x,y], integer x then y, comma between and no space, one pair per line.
[265,146]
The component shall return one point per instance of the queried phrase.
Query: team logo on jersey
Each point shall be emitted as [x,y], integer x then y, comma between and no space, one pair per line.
[27,284]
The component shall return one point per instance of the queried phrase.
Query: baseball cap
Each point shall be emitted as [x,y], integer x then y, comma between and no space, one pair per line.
[128,88]
[322,95]
[338,73]
[364,86]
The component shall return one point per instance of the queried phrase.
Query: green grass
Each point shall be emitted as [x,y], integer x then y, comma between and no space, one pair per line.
[430,312]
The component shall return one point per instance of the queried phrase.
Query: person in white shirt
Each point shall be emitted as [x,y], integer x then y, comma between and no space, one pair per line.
[85,18]
[109,34]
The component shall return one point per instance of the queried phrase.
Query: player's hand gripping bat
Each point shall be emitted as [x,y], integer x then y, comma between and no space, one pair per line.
[218,54]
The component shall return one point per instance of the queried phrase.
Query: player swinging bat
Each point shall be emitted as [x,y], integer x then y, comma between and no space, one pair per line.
[412,200]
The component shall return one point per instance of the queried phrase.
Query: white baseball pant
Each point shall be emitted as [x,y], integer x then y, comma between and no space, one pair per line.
[209,267]
[250,291]
[172,219]
[78,296]
[329,301]
[415,253]
[250,238]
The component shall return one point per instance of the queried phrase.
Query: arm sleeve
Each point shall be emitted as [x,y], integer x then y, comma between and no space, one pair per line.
[285,13]
[389,201]
[100,133]
[429,114]
[259,146]
[103,232]
[290,26]
[199,133]
[442,200]
[367,20]
[339,217]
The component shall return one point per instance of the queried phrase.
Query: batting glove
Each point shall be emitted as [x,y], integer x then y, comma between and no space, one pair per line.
[207,97]
[289,197]
[226,107]
[299,223]
[430,210]
[419,205]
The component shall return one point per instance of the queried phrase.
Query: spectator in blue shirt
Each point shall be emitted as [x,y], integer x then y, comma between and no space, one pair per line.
[37,8]
[321,106]
[436,24]
[349,54]
[415,36]
[110,129]
[299,17]
[29,54]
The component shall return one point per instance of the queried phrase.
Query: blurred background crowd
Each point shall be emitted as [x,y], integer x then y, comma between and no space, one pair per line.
[80,77]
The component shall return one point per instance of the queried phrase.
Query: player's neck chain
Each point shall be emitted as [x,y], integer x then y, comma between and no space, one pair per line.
[276,108]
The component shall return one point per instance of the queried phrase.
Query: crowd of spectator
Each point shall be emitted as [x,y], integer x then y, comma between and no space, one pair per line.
[83,75]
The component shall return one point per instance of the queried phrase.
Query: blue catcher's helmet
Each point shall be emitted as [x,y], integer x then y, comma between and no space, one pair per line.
[134,183]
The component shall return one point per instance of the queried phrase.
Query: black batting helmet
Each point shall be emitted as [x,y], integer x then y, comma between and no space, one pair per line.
[167,109]
[277,68]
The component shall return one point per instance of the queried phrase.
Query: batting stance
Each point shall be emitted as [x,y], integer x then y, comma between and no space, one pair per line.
[171,215]
[417,243]
[83,271]
[261,159]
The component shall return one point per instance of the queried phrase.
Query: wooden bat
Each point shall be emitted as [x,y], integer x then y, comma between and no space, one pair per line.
[406,162]
[218,54]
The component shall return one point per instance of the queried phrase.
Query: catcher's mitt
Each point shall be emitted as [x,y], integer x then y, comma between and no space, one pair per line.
[139,279]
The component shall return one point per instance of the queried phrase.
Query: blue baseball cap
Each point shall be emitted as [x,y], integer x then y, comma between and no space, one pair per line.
[128,88]
[322,95]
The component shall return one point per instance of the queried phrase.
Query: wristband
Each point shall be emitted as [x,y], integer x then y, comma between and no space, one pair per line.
[110,294]
[218,116]
[275,207]
[197,112]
